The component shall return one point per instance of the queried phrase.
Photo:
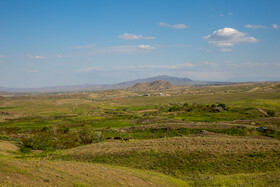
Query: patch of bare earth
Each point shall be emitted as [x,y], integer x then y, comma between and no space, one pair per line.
[262,111]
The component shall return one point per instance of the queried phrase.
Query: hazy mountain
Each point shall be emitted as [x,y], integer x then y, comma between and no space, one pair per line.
[90,87]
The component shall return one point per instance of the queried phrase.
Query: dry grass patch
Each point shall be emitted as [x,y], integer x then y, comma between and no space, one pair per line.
[214,145]
[7,148]
[17,172]
[186,157]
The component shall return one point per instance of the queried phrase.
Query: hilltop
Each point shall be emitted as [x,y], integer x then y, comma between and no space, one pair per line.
[152,86]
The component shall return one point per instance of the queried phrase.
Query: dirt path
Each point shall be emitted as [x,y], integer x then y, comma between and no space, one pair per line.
[262,111]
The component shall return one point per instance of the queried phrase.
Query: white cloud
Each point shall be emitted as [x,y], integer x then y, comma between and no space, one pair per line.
[36,57]
[121,49]
[141,67]
[275,26]
[177,67]
[209,63]
[226,50]
[249,26]
[59,56]
[127,36]
[148,47]
[176,26]
[227,37]
[162,24]
[179,26]
[230,14]
[83,46]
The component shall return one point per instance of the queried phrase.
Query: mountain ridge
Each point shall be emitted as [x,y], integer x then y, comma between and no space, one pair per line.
[96,87]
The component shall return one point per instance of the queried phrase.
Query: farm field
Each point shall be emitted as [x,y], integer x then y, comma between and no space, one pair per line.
[222,135]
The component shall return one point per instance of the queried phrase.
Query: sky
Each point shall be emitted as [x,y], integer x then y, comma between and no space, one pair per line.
[71,42]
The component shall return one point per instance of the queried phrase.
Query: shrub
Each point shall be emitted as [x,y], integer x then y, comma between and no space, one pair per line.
[174,108]
[45,128]
[185,105]
[222,105]
[87,135]
[39,142]
[65,130]
[271,113]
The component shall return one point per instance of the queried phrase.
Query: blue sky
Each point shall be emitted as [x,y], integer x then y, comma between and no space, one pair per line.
[68,42]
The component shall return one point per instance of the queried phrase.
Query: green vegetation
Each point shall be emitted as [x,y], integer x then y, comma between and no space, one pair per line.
[87,135]
[198,136]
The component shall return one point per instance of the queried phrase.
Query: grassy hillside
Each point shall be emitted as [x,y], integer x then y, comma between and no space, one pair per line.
[198,136]
[34,172]
[187,157]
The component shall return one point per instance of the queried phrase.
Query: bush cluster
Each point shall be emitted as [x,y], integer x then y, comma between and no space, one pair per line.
[88,135]
[185,107]
[50,139]
[39,142]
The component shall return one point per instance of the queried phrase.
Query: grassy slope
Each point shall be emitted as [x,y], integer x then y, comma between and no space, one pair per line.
[42,172]
[14,172]
[188,157]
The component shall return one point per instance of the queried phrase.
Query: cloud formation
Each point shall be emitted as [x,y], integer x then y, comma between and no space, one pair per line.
[226,50]
[128,36]
[148,47]
[179,26]
[36,57]
[228,37]
[177,67]
[275,26]
[249,26]
[162,24]
[120,49]
[176,26]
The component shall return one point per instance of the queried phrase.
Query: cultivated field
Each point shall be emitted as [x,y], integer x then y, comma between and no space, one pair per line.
[224,135]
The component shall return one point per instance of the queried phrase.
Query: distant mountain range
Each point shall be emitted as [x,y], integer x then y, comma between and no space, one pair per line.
[91,87]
